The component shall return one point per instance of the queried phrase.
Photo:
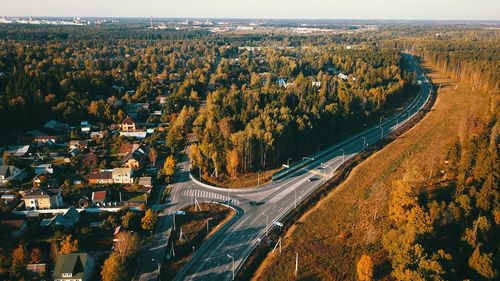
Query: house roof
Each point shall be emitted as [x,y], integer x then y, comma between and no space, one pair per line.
[14,223]
[72,263]
[137,154]
[99,196]
[100,176]
[145,181]
[6,170]
[36,193]
[18,150]
[126,148]
[128,121]
[67,219]
[122,172]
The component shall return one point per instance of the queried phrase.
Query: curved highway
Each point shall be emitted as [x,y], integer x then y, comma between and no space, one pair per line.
[260,208]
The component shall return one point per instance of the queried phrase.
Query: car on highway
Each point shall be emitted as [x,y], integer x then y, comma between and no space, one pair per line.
[313,179]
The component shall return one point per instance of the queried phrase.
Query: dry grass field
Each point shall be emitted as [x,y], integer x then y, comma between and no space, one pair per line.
[331,237]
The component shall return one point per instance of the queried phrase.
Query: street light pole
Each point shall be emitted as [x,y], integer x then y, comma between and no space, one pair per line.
[258,178]
[288,162]
[232,258]
[173,215]
[382,132]
[364,142]
[208,229]
[343,156]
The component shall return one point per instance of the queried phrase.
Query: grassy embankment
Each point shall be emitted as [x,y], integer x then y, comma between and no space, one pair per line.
[350,221]
[194,230]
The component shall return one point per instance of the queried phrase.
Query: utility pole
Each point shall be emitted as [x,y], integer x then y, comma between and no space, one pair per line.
[173,215]
[296,263]
[208,229]
[258,178]
[180,236]
[382,132]
[277,244]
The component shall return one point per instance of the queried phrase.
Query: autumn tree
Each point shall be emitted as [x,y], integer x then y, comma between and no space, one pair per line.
[18,259]
[169,168]
[36,256]
[364,268]
[482,263]
[232,163]
[149,220]
[114,268]
[130,220]
[68,245]
[127,244]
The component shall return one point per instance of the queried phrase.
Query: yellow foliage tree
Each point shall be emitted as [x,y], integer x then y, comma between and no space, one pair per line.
[169,167]
[364,268]
[232,163]
[68,245]
[114,268]
[149,220]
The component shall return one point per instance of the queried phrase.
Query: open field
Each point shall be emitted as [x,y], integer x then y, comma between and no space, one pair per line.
[194,230]
[332,236]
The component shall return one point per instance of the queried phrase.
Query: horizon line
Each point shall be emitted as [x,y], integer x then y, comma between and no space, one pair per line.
[256,18]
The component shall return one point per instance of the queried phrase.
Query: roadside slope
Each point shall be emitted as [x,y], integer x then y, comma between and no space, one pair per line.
[331,237]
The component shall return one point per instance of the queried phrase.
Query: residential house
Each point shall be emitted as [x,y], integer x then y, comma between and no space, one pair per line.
[87,160]
[36,268]
[45,139]
[135,135]
[74,267]
[134,159]
[44,168]
[18,150]
[85,126]
[84,202]
[66,220]
[56,126]
[8,173]
[42,198]
[102,177]
[99,196]
[17,227]
[80,144]
[128,125]
[342,76]
[122,175]
[316,84]
[145,181]
[127,148]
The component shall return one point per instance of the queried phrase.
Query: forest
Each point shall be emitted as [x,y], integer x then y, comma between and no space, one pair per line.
[446,231]
[247,98]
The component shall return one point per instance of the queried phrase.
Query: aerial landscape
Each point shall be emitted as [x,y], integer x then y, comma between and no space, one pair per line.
[249,140]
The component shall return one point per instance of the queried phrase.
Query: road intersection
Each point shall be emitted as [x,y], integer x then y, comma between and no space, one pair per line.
[258,209]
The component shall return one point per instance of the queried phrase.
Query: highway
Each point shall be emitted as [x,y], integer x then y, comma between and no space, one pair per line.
[259,208]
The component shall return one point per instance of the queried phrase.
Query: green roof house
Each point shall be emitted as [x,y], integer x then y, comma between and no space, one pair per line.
[74,267]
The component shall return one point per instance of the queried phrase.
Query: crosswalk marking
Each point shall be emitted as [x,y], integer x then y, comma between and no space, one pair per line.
[206,194]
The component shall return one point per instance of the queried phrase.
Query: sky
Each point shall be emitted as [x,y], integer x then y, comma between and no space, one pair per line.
[266,9]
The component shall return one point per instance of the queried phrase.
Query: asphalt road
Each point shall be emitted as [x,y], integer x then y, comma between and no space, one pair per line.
[259,208]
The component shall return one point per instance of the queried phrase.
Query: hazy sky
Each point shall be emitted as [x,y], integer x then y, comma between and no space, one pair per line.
[290,9]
